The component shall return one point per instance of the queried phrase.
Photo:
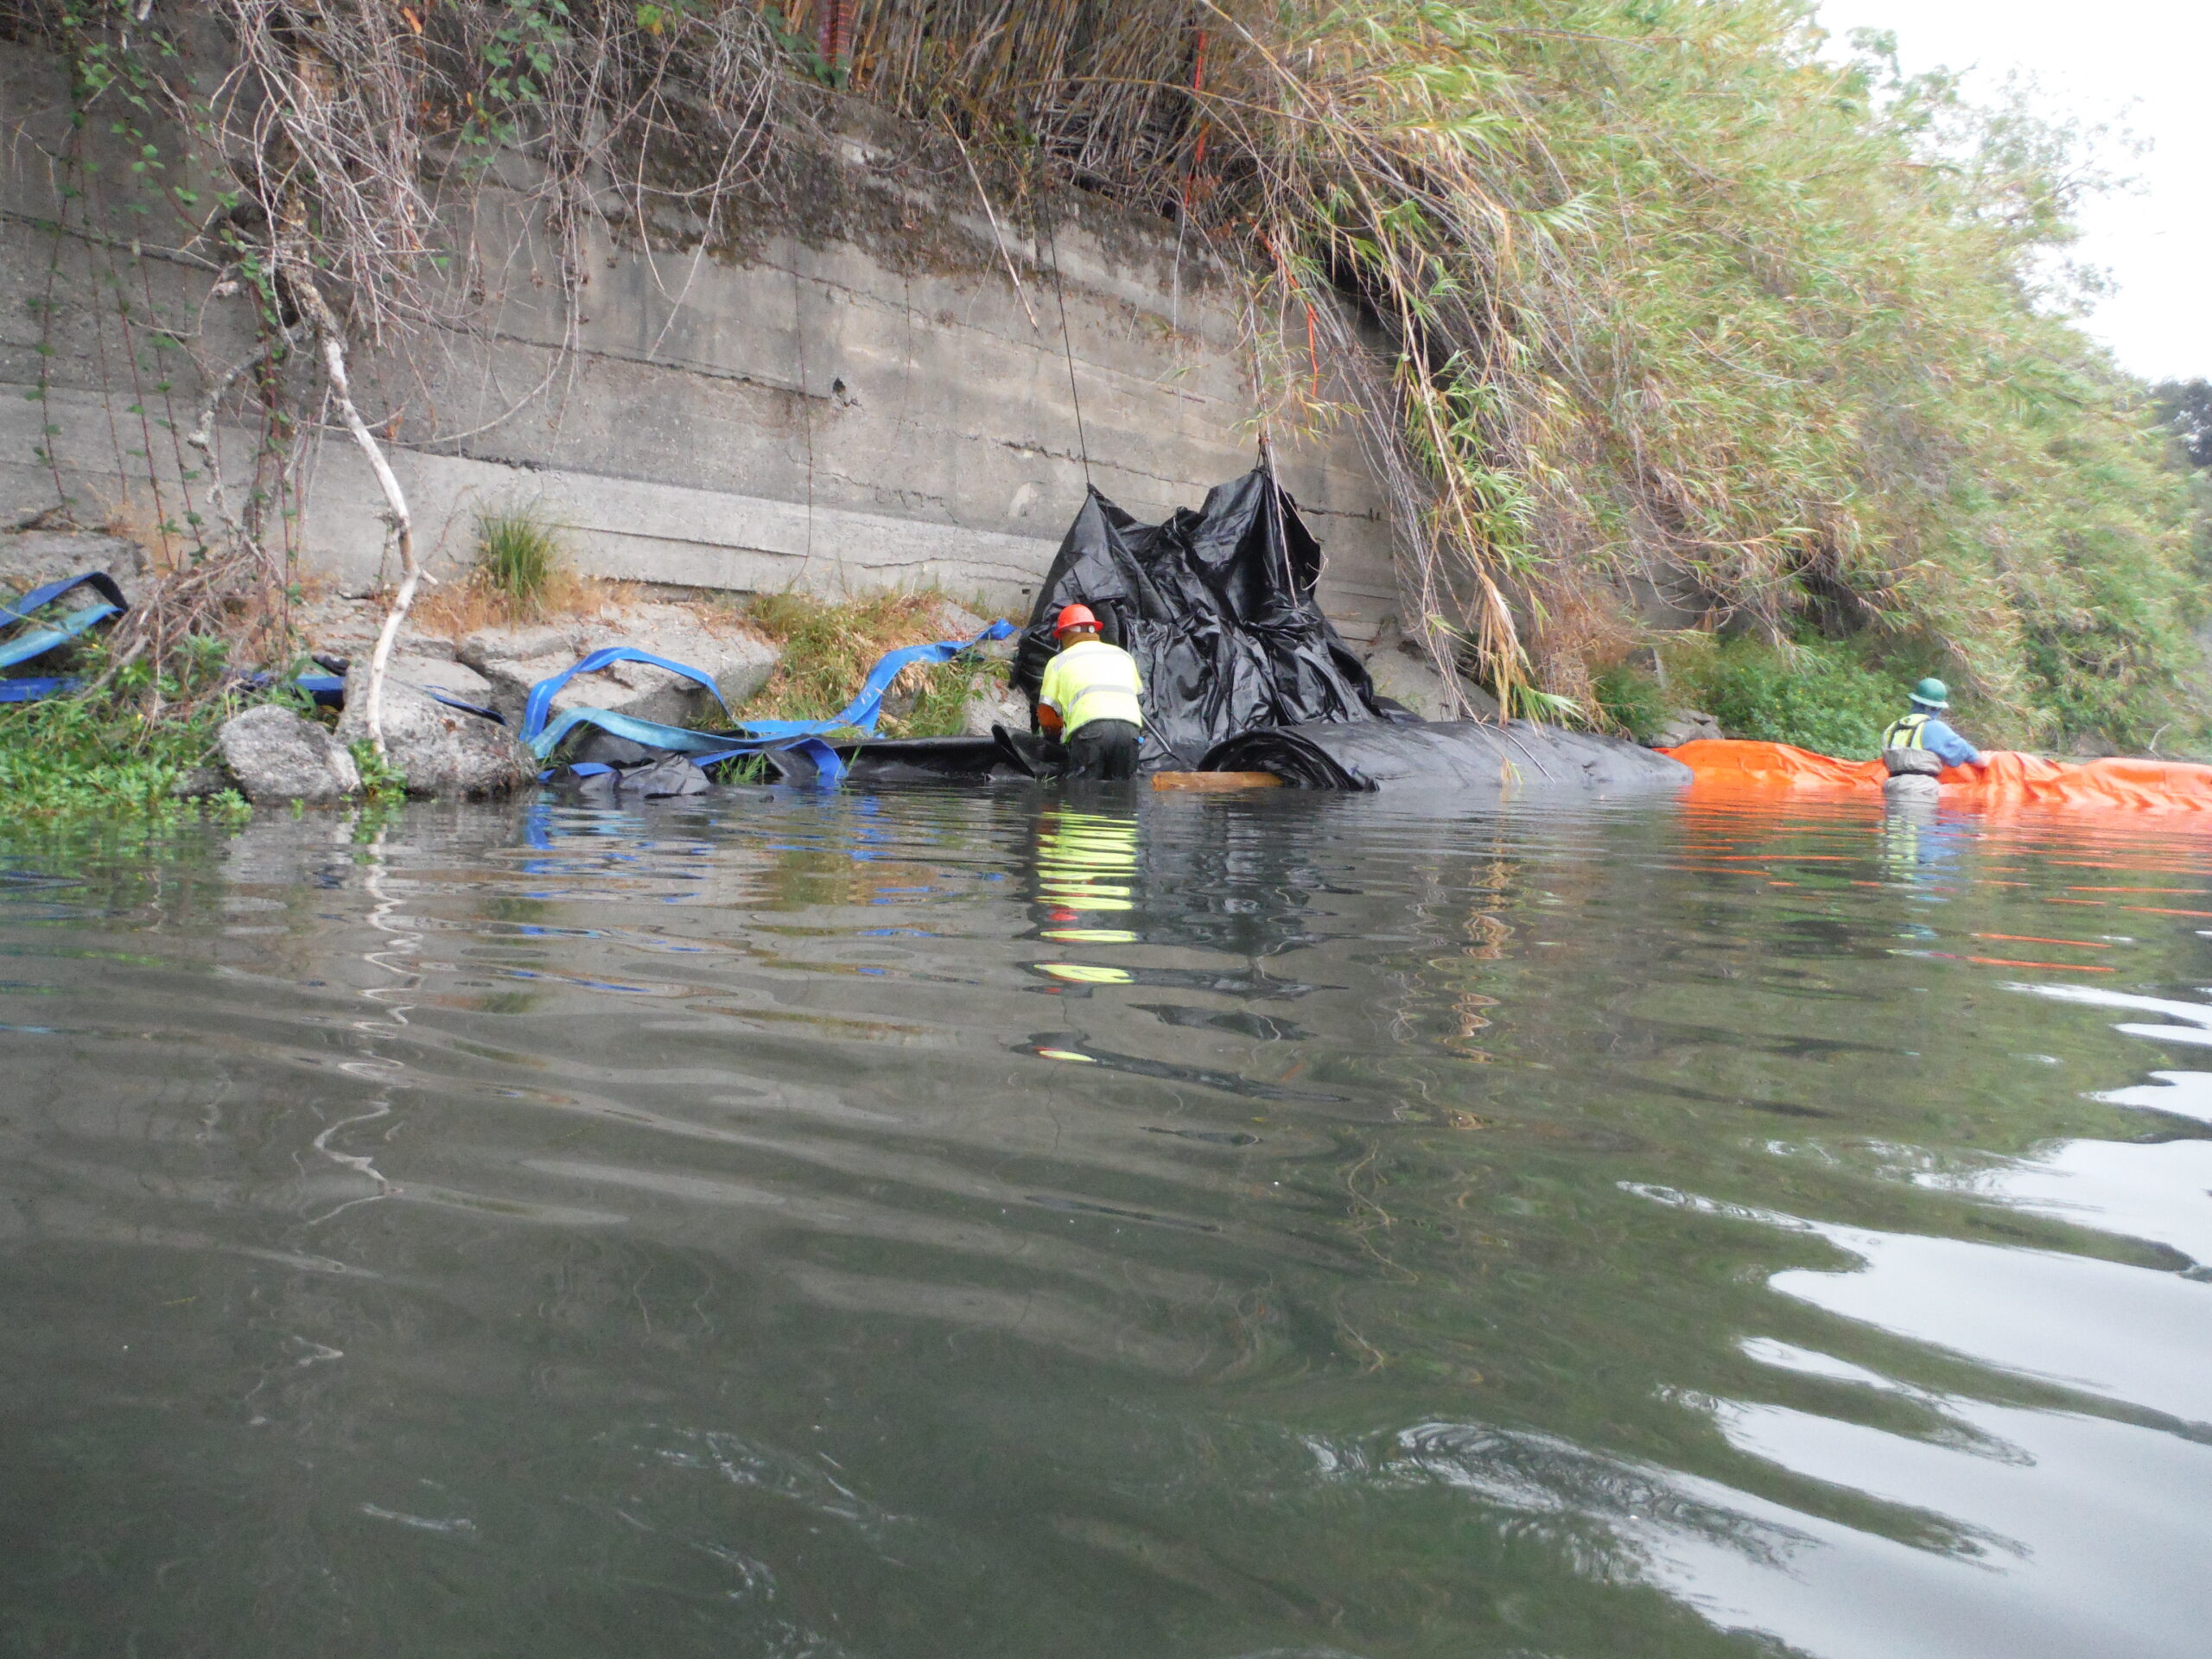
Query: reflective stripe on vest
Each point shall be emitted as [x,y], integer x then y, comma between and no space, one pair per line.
[1910,732]
[1092,681]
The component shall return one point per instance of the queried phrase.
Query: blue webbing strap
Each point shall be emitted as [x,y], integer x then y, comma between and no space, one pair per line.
[862,711]
[541,695]
[20,610]
[26,646]
[30,690]
[708,749]
[650,732]
[703,749]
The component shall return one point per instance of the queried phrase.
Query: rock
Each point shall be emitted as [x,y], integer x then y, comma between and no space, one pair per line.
[31,558]
[197,783]
[443,752]
[1684,726]
[1403,672]
[277,755]
[991,703]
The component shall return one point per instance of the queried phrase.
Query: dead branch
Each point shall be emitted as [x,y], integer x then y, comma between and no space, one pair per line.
[301,284]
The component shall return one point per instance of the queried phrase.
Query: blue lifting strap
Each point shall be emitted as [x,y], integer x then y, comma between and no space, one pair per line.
[30,690]
[40,640]
[799,737]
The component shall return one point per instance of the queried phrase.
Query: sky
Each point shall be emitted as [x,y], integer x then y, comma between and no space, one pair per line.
[2146,64]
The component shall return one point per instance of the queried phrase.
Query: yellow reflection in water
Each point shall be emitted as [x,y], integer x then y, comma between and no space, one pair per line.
[1086,861]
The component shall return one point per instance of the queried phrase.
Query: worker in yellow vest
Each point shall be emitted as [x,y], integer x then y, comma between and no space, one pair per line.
[1089,700]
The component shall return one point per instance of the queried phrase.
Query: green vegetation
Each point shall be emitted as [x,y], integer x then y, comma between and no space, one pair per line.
[382,783]
[517,555]
[1817,695]
[1631,700]
[830,646]
[1620,291]
[102,756]
[1821,695]
[1670,295]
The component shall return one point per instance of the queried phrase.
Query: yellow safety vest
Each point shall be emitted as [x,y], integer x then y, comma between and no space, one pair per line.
[1908,731]
[1092,681]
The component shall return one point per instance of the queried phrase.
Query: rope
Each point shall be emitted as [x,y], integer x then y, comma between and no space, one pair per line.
[1067,346]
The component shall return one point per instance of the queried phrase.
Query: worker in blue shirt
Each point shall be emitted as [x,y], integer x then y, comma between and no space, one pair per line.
[1917,746]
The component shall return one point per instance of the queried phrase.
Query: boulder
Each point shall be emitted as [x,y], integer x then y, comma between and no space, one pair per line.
[515,659]
[1401,672]
[277,755]
[1684,726]
[443,752]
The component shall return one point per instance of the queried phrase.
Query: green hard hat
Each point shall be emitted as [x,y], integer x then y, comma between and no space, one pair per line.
[1933,694]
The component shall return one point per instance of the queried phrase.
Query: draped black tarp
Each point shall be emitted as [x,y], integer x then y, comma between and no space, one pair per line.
[1217,607]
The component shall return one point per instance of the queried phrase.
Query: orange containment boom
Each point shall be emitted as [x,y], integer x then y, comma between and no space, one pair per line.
[2004,778]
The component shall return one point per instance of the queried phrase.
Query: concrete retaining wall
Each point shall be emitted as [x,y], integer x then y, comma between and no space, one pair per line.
[854,392]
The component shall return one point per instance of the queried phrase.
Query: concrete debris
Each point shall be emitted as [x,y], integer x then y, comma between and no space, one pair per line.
[277,755]
[430,674]
[444,752]
[958,621]
[1684,726]
[954,621]
[1401,672]
[343,626]
[31,558]
[514,659]
[992,702]
[522,643]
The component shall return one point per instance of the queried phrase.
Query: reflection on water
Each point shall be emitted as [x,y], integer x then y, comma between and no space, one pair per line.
[967,1224]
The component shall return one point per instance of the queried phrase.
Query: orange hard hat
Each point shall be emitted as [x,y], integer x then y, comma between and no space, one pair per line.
[1074,616]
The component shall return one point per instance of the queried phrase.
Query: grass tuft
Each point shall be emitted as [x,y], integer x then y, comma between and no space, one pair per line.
[517,555]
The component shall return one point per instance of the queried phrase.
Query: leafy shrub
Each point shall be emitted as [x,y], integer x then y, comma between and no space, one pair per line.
[1631,699]
[1815,695]
[100,757]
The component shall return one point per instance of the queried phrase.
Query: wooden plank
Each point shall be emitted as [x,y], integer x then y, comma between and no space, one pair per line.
[1215,780]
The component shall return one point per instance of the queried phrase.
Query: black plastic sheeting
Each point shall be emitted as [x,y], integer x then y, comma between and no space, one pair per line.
[1217,607]
[1457,755]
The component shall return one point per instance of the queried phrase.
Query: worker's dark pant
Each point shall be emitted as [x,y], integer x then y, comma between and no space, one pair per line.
[1104,751]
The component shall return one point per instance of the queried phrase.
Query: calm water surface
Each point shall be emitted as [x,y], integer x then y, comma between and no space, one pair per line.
[962,1224]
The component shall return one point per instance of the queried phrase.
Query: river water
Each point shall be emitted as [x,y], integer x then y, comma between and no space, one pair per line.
[982,1224]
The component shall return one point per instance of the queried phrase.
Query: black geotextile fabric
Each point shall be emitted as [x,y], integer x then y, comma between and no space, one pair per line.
[1217,607]
[1453,755]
